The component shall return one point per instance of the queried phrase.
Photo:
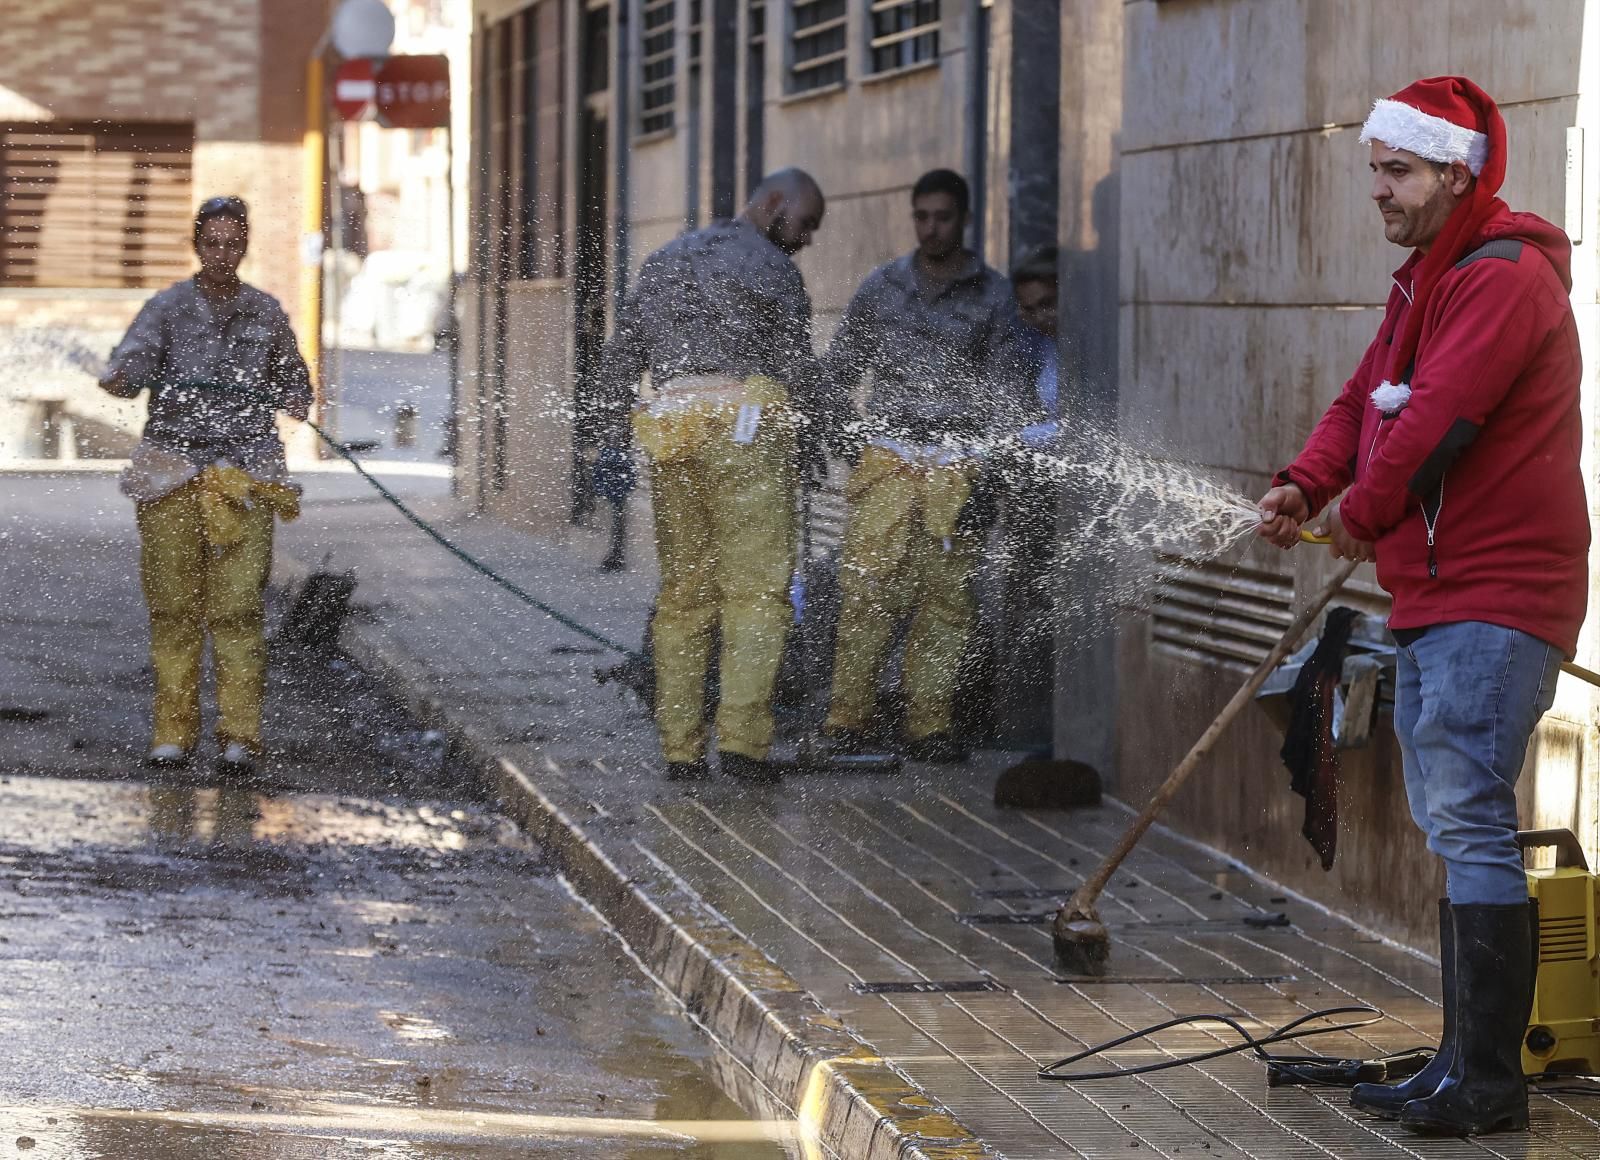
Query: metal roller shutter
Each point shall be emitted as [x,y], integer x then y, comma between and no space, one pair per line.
[94,205]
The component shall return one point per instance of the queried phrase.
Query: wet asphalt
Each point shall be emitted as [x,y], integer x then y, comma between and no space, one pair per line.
[353,955]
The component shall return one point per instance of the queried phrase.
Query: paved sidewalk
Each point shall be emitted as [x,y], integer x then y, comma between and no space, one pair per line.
[769,912]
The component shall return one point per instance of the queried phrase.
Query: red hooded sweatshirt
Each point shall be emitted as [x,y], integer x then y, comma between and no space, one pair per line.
[1471,487]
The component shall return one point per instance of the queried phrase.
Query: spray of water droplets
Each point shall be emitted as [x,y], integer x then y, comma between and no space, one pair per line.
[1130,506]
[51,349]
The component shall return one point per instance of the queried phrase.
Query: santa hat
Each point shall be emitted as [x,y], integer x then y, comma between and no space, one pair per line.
[1443,119]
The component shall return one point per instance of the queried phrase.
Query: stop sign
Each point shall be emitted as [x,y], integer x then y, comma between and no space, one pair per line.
[354,85]
[413,92]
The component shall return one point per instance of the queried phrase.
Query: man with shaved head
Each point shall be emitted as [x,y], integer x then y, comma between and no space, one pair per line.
[720,320]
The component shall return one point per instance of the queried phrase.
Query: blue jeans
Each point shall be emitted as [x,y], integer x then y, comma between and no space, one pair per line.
[1467,698]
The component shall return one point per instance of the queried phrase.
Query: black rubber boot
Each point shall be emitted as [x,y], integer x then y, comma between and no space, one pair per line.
[1387,1100]
[1484,1090]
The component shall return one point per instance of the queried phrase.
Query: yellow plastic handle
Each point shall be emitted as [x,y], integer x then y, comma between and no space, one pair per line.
[1309,537]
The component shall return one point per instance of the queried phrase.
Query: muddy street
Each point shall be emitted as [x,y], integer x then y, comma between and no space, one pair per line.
[349,957]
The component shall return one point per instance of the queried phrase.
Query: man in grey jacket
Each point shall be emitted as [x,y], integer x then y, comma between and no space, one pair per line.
[720,320]
[218,359]
[936,332]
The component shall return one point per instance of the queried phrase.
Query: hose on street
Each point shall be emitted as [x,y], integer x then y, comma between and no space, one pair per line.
[460,553]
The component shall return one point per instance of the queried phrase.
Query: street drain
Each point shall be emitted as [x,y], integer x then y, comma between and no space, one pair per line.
[1025,893]
[927,987]
[1164,980]
[1197,925]
[18,713]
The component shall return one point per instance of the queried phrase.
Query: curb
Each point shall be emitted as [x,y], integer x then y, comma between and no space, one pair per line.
[846,1096]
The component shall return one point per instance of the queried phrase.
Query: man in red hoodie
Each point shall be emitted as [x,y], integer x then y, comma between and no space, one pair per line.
[1456,446]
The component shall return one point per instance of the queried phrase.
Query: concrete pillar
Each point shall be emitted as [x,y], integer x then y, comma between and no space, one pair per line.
[1090,127]
[1024,115]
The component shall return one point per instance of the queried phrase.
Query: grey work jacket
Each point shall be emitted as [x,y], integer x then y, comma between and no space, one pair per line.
[181,339]
[945,361]
[723,300]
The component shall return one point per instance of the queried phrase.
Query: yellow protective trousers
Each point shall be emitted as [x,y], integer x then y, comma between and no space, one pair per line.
[903,556]
[722,478]
[205,552]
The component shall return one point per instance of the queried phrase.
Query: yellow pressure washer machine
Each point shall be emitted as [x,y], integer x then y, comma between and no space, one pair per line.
[1564,1029]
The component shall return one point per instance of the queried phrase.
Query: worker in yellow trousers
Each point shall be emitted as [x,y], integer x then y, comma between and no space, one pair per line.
[936,331]
[725,535]
[904,555]
[204,559]
[720,320]
[207,478]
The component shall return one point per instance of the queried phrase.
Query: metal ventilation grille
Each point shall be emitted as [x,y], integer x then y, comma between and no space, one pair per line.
[1218,614]
[1563,939]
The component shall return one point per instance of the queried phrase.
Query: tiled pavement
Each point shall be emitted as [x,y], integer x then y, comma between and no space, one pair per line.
[845,881]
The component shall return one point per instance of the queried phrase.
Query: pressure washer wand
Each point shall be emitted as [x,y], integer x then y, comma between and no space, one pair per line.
[1082,944]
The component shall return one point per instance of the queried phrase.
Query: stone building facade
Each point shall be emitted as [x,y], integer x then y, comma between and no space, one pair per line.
[1216,192]
[603,128]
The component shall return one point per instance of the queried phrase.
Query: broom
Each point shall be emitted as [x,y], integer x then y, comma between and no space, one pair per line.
[1083,946]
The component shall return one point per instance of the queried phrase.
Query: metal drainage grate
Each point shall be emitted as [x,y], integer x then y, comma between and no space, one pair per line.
[927,987]
[20,713]
[1025,893]
[1164,980]
[1006,918]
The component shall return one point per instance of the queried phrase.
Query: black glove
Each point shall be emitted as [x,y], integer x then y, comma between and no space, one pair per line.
[982,509]
[847,440]
[811,455]
[613,475]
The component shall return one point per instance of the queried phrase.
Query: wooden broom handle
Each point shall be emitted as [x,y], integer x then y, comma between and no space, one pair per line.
[1084,897]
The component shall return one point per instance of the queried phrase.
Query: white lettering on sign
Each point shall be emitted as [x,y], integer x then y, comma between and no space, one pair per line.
[412,92]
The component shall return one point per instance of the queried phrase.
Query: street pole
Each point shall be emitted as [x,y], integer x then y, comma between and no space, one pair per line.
[452,420]
[335,384]
[314,147]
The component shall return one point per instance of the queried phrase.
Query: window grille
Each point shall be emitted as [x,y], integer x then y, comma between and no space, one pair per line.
[658,66]
[596,50]
[818,44]
[904,33]
[755,95]
[95,205]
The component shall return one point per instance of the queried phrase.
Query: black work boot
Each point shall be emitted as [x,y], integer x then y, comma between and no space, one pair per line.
[750,768]
[1386,1100]
[938,749]
[848,743]
[696,770]
[1484,1090]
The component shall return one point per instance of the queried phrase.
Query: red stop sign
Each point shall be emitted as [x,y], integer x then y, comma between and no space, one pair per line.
[354,86]
[413,92]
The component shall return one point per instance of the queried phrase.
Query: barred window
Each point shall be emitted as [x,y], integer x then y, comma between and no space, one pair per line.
[658,66]
[904,33]
[86,205]
[818,44]
[755,95]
